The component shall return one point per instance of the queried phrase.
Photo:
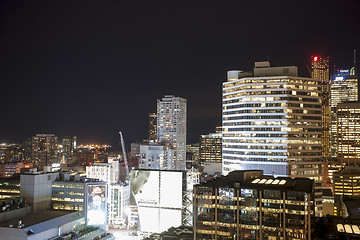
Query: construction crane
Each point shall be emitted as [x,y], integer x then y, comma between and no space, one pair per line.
[124,155]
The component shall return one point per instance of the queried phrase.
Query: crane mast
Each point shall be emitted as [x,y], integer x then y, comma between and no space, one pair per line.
[124,155]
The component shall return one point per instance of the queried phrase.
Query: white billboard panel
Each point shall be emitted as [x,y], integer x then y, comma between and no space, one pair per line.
[171,189]
[169,218]
[145,188]
[148,219]
[158,196]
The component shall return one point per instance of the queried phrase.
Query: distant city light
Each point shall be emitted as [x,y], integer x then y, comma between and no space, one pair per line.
[339,78]
[94,146]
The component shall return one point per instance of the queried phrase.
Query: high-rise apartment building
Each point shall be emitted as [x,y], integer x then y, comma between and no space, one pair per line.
[68,147]
[210,148]
[12,153]
[320,71]
[171,127]
[152,126]
[272,122]
[344,88]
[348,133]
[135,151]
[44,149]
[156,156]
[192,155]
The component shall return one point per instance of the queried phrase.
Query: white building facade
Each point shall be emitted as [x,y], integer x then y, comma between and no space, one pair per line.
[118,197]
[155,156]
[119,200]
[106,172]
[272,122]
[171,127]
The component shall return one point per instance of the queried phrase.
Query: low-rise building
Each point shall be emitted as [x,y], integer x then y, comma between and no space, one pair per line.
[106,172]
[41,225]
[11,168]
[83,195]
[10,187]
[68,195]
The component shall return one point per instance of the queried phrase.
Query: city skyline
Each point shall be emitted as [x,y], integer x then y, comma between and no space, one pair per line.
[92,69]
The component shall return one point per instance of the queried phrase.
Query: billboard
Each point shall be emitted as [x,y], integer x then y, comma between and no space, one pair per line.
[96,205]
[159,198]
[171,189]
[145,188]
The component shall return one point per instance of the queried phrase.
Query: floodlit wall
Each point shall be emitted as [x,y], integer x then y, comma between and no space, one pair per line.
[159,198]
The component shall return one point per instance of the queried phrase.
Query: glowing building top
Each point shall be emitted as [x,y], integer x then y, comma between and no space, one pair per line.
[320,68]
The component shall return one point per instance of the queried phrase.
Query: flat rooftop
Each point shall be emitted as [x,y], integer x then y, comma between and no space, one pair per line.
[256,180]
[35,218]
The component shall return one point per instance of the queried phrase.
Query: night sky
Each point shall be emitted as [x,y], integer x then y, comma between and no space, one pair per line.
[92,68]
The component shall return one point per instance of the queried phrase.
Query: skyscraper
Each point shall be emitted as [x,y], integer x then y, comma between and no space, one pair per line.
[44,149]
[210,148]
[152,126]
[348,133]
[320,71]
[344,88]
[156,156]
[69,145]
[171,127]
[272,122]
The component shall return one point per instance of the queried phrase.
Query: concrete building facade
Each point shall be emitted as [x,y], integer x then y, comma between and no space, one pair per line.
[106,172]
[36,189]
[155,156]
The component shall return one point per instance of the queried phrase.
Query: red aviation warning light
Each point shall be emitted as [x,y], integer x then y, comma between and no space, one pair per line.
[315,59]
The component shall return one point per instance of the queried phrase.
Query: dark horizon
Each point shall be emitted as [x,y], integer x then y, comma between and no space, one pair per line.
[93,68]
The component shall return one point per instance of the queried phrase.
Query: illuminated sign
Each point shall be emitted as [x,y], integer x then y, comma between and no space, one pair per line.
[315,59]
[158,196]
[339,78]
[96,205]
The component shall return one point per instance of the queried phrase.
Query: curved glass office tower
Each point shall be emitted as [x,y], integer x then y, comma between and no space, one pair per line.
[272,122]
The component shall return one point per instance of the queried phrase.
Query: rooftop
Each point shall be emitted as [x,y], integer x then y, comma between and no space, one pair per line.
[35,218]
[348,170]
[263,69]
[256,179]
[352,204]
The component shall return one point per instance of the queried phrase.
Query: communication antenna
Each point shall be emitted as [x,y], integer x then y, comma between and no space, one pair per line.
[124,155]
[355,72]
